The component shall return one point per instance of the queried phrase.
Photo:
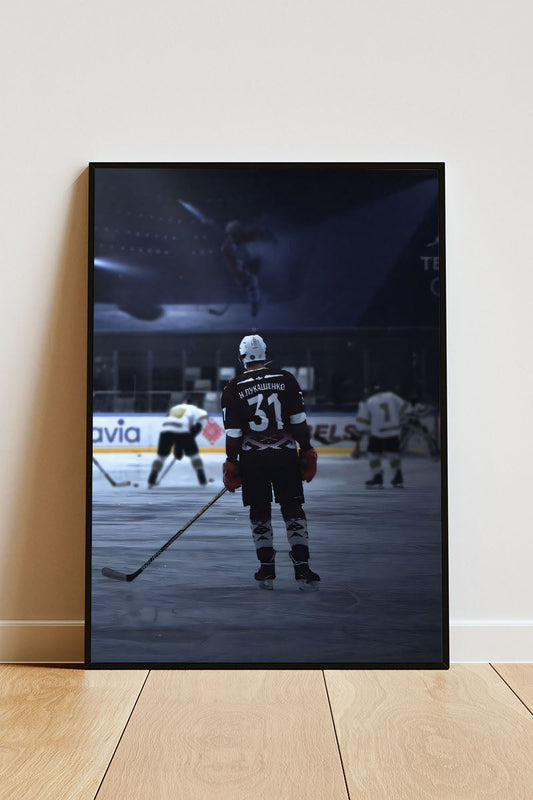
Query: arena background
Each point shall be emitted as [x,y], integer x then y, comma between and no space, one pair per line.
[349,283]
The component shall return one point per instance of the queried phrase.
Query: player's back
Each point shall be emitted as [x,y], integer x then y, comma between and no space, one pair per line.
[384,411]
[260,405]
[182,417]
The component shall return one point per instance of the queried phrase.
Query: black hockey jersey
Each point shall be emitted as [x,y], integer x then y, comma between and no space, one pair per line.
[261,405]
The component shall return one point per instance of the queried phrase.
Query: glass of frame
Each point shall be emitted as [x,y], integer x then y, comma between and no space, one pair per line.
[338,269]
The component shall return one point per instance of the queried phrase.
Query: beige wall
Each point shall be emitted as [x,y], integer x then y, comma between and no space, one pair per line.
[43,407]
[170,81]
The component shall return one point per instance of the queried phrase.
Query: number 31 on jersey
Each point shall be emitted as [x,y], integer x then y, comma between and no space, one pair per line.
[272,404]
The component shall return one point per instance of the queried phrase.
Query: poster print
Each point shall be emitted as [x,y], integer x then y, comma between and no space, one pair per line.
[259,327]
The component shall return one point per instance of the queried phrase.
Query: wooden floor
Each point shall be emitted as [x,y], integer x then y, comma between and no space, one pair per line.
[462,734]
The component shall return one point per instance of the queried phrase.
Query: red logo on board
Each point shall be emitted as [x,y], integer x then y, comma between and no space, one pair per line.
[212,431]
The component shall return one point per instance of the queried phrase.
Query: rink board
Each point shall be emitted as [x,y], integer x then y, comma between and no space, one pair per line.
[137,433]
[378,554]
[140,432]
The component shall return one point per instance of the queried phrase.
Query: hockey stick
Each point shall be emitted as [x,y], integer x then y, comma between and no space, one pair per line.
[122,576]
[109,478]
[167,468]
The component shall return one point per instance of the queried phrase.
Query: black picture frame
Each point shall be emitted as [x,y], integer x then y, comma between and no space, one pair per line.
[388,220]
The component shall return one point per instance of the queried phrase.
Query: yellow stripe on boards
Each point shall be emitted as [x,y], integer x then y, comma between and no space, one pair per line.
[325,451]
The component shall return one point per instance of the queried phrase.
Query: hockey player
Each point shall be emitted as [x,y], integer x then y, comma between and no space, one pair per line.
[380,414]
[264,416]
[241,263]
[178,431]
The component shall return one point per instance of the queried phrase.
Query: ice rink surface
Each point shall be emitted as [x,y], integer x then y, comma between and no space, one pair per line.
[378,553]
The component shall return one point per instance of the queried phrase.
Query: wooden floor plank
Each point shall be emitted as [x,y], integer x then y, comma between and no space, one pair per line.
[228,735]
[453,735]
[520,679]
[59,728]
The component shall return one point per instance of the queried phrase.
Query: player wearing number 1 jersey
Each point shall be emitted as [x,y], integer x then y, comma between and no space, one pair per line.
[380,414]
[264,417]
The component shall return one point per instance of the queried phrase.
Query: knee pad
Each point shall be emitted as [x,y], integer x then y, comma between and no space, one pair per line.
[157,464]
[197,462]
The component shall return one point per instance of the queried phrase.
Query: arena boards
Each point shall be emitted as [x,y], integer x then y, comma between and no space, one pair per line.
[339,268]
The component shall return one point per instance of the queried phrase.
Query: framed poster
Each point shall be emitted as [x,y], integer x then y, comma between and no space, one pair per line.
[256,327]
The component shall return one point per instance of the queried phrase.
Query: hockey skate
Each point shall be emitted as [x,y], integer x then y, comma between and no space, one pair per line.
[397,481]
[306,579]
[152,478]
[265,575]
[267,571]
[376,482]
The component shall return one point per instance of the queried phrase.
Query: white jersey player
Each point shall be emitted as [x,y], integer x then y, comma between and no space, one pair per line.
[183,418]
[380,415]
[178,435]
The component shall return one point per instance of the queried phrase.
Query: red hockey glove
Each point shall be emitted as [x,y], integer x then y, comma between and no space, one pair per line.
[230,476]
[308,464]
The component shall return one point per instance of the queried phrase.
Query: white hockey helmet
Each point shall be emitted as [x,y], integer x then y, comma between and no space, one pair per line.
[252,348]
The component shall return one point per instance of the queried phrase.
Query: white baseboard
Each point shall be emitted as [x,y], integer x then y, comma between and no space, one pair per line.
[494,642]
[62,641]
[39,641]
